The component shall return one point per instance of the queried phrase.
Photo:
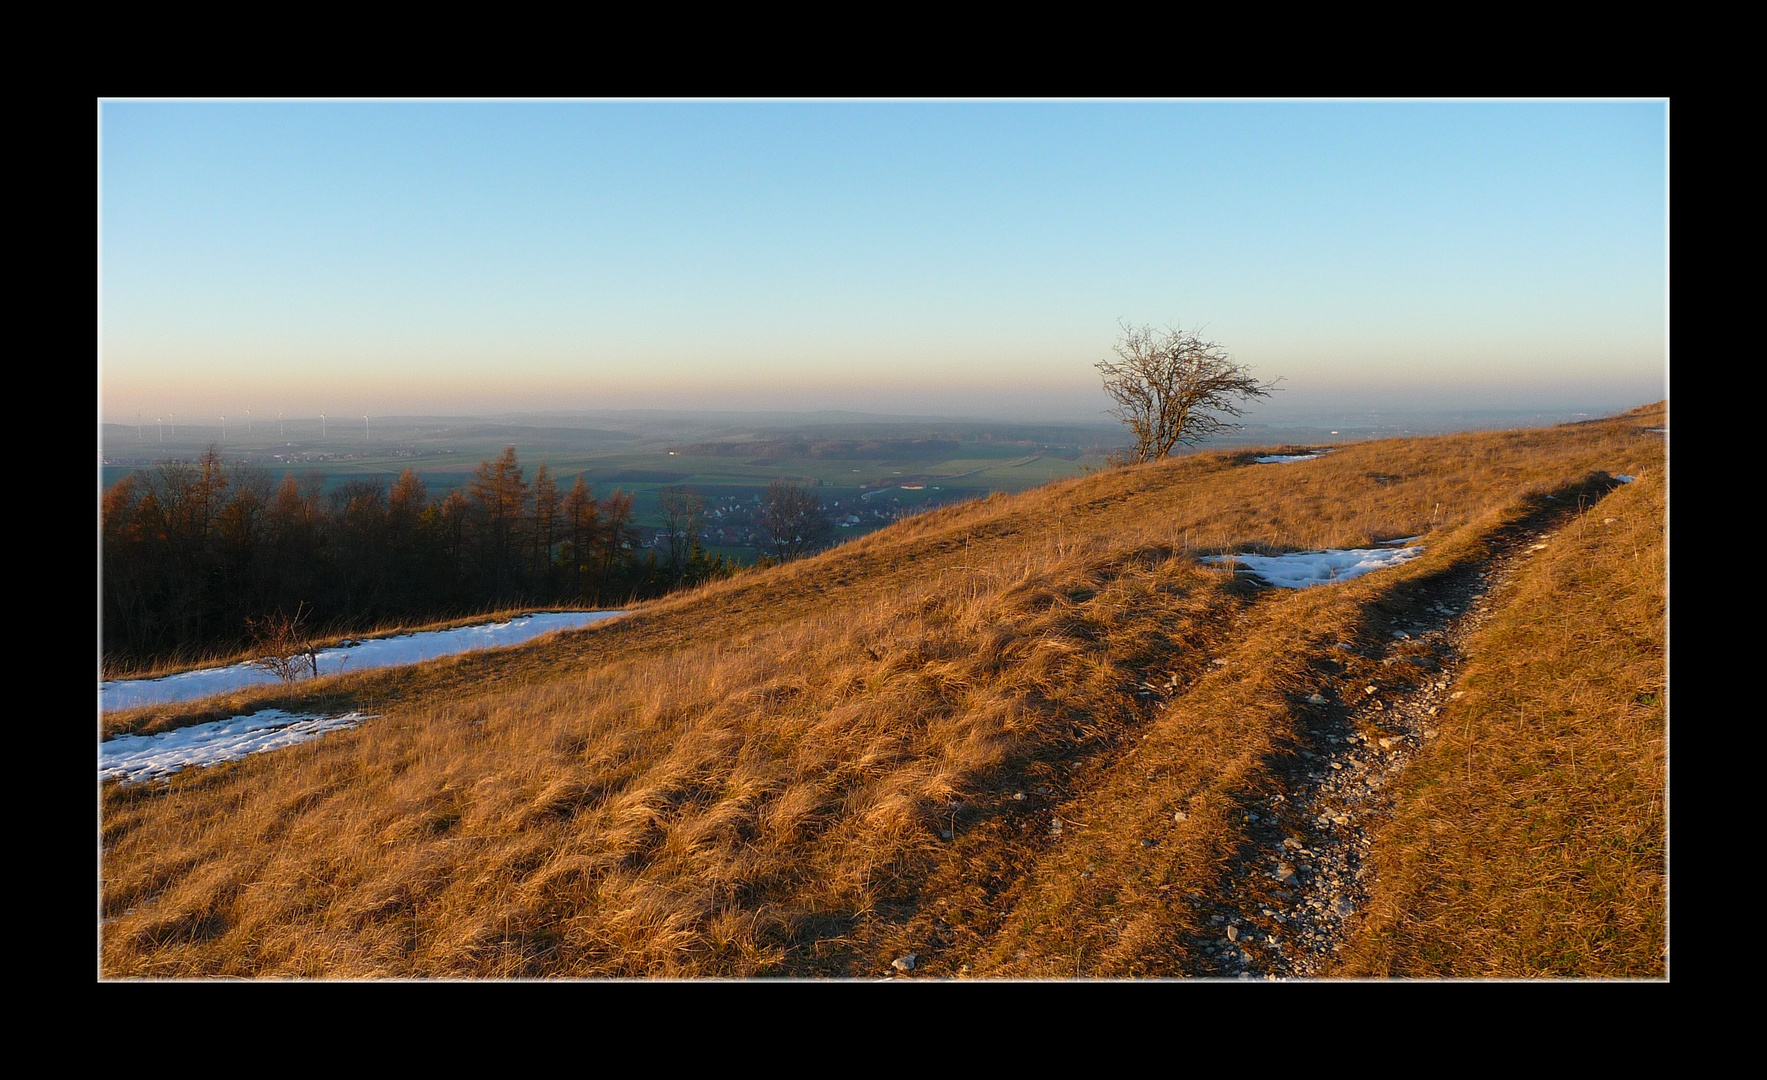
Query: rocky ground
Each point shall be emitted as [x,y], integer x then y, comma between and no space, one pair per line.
[1302,878]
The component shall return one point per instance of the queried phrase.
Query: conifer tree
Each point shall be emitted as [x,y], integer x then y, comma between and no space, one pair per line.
[127,575]
[583,515]
[545,520]
[500,497]
[616,535]
[240,529]
[208,493]
[454,516]
[405,503]
[410,558]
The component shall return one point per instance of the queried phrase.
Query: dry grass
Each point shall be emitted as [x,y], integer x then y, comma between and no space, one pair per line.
[812,770]
[1530,841]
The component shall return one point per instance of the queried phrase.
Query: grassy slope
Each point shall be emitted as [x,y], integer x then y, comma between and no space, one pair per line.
[1530,839]
[759,777]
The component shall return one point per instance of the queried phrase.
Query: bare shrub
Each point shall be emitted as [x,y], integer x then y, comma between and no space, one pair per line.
[283,646]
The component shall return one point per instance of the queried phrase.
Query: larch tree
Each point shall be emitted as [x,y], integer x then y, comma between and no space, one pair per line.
[583,520]
[545,523]
[500,497]
[616,535]
[412,564]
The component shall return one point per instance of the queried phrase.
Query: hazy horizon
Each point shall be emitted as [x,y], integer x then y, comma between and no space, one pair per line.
[181,437]
[961,259]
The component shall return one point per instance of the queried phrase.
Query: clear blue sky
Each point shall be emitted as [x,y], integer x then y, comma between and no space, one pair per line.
[942,257]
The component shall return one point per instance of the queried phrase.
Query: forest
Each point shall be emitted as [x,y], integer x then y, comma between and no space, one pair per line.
[194,554]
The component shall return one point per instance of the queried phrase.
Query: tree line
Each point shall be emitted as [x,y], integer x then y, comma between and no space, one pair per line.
[194,553]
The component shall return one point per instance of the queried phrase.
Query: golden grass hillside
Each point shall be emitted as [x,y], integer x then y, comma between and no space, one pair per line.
[819,768]
[1530,841]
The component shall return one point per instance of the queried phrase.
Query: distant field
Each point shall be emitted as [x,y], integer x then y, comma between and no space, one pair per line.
[943,464]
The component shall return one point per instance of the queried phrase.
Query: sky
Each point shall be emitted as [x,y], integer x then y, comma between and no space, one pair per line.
[927,257]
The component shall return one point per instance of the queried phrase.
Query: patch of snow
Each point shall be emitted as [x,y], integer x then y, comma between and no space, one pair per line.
[135,758]
[1657,430]
[1291,457]
[1403,540]
[356,656]
[1625,479]
[1304,569]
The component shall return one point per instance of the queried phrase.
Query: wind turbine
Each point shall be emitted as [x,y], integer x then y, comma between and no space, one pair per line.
[322,425]
[162,423]
[248,423]
[172,416]
[279,432]
[365,427]
[137,425]
[223,429]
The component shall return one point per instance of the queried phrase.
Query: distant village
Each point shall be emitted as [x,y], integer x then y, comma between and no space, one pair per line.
[730,519]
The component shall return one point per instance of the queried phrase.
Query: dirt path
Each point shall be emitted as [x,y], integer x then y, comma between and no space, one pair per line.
[1301,880]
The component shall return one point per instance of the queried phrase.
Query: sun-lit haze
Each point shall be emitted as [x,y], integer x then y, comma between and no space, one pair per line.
[942,258]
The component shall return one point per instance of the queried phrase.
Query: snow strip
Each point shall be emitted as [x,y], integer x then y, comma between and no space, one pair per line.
[355,656]
[1625,479]
[135,758]
[1290,457]
[1304,569]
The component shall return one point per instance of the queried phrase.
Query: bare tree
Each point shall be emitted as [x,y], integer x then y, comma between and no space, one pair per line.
[1169,386]
[684,514]
[790,520]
